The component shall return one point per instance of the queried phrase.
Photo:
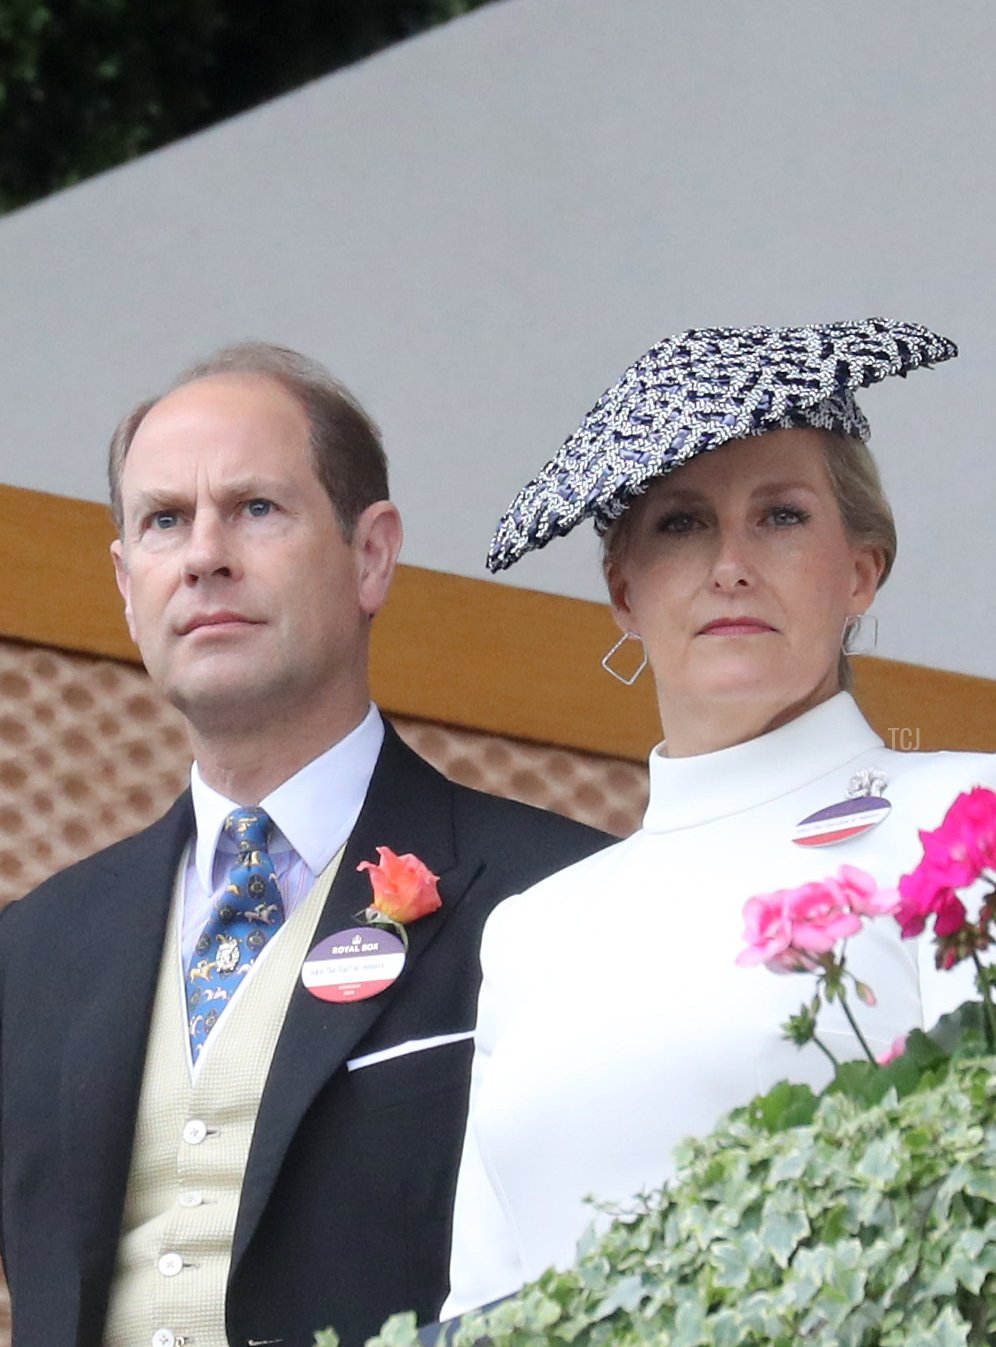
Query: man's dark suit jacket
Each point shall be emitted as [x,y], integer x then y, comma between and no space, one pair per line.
[345,1211]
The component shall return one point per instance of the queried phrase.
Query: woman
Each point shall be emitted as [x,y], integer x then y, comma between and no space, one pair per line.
[745,534]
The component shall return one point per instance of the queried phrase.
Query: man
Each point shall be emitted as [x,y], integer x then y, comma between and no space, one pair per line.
[197,1148]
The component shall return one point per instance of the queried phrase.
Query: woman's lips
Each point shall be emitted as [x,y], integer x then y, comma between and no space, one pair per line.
[736,626]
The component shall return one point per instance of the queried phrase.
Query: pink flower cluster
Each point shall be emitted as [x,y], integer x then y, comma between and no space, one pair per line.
[894,1052]
[793,929]
[955,855]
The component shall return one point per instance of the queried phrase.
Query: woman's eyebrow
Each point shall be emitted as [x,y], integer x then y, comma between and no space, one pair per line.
[779,484]
[682,494]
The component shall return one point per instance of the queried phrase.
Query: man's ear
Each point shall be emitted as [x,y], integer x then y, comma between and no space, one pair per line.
[377,539]
[123,583]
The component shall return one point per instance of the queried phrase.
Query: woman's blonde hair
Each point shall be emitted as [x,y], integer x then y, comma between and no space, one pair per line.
[864,510]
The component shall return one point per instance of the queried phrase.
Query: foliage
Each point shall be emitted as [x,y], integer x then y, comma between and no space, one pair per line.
[87,84]
[862,1218]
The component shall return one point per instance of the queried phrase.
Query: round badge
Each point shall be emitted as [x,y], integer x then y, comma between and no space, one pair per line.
[354,964]
[841,821]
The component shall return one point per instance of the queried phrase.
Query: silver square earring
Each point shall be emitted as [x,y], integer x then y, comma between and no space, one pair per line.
[860,634]
[607,666]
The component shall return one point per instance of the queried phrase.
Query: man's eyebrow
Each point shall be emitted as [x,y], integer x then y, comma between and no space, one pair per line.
[256,485]
[147,499]
[150,499]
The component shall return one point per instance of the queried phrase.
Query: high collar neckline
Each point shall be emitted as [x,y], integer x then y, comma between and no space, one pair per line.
[685,792]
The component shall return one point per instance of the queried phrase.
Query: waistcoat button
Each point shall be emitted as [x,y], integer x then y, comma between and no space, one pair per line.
[170,1264]
[194,1132]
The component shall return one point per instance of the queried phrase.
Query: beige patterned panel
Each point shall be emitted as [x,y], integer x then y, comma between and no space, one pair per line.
[605,792]
[89,753]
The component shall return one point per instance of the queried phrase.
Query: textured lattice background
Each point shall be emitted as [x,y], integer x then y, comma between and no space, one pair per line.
[89,753]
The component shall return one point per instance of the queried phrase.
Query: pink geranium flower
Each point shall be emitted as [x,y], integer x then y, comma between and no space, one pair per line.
[922,894]
[896,1050]
[800,929]
[792,929]
[972,820]
[797,930]
[965,844]
[863,893]
[820,916]
[767,930]
[955,855]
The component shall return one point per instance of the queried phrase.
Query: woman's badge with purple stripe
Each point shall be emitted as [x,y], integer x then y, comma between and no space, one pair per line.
[864,809]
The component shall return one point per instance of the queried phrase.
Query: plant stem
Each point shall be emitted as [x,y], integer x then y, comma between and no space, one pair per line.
[857,1032]
[825,1050]
[988,1012]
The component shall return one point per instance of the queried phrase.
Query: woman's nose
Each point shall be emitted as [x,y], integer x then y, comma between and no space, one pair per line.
[732,566]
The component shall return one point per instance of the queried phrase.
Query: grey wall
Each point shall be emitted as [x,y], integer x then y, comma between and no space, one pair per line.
[479,229]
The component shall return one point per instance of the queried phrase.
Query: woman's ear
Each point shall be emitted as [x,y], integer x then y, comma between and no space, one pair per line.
[618,588]
[869,563]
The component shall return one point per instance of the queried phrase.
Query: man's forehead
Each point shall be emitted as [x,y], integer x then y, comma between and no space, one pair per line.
[222,398]
[219,416]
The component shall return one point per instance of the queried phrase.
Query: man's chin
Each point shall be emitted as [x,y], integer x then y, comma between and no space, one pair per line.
[222,697]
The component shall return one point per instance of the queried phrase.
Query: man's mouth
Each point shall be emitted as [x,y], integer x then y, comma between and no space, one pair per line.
[222,618]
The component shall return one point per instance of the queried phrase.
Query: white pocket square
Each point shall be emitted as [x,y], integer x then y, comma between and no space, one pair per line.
[403,1049]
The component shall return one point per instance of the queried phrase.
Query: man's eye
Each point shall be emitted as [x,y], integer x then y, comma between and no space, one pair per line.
[258,509]
[165,519]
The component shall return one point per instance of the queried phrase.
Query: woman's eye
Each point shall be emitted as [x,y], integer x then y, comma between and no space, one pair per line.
[785,515]
[677,522]
[258,509]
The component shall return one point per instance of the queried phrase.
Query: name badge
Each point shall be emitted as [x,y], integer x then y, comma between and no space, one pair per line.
[354,964]
[841,821]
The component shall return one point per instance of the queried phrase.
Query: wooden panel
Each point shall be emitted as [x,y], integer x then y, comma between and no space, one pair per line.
[512,661]
[918,708]
[60,587]
[451,649]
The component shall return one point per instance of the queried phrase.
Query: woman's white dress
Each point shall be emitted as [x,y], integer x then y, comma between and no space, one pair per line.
[613,1020]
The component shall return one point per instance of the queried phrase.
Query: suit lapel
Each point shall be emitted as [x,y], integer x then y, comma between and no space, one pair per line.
[104,1052]
[409,809]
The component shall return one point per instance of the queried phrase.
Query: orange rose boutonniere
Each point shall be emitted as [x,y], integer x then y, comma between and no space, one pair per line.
[404,889]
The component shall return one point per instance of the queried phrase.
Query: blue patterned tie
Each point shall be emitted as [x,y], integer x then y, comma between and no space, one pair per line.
[247,912]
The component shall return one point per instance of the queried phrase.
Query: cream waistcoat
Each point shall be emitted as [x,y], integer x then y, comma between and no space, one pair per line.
[192,1139]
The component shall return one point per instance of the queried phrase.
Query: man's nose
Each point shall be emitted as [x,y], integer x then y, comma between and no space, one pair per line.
[209,548]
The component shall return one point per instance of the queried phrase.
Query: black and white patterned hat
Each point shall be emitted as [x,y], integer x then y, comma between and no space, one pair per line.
[695,391]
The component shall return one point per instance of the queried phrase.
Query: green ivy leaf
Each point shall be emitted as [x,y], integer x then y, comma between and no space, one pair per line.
[947,1330]
[962,1032]
[782,1232]
[864,1082]
[785,1105]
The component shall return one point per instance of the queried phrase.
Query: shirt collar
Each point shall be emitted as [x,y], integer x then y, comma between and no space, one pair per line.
[313,811]
[688,791]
